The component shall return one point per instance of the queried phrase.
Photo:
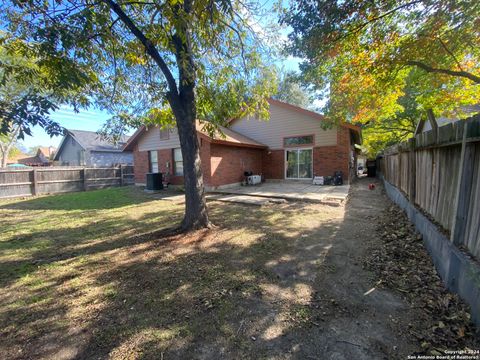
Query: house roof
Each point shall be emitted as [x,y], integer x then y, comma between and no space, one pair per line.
[467,110]
[32,160]
[92,141]
[233,138]
[222,135]
[227,136]
[313,114]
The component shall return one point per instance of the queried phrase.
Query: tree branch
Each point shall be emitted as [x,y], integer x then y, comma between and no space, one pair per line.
[427,68]
[379,17]
[149,47]
[450,53]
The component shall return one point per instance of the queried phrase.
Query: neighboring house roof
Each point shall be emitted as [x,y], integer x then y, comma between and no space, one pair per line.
[222,135]
[32,160]
[471,109]
[47,151]
[91,141]
[467,111]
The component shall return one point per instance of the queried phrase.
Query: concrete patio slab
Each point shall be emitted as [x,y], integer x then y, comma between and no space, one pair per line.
[245,199]
[292,190]
[168,194]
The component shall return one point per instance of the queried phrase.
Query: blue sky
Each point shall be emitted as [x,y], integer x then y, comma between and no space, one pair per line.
[84,120]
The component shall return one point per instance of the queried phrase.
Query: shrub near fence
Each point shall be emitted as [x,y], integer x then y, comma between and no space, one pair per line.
[439,172]
[49,180]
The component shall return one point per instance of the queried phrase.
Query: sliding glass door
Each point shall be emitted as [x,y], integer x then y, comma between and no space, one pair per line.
[298,164]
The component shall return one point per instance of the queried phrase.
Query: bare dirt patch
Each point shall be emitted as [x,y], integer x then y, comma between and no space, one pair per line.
[93,275]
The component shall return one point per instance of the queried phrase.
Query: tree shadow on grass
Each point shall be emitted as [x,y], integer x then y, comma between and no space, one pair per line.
[253,287]
[133,288]
[58,245]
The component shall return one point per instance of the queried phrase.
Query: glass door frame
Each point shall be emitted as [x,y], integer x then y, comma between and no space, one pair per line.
[296,150]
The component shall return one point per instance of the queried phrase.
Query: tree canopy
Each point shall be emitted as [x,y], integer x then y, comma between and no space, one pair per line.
[32,86]
[135,61]
[364,53]
[291,91]
[163,63]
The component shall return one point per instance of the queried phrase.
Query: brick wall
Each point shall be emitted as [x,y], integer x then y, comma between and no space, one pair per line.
[140,163]
[328,159]
[345,142]
[224,165]
[166,165]
[228,163]
[274,164]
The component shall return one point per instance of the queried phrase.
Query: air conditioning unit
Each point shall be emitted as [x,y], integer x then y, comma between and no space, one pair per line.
[254,179]
[154,181]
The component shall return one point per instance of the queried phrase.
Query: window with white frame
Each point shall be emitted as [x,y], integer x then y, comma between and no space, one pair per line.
[153,161]
[177,162]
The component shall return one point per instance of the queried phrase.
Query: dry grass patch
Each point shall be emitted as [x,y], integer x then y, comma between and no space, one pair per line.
[87,275]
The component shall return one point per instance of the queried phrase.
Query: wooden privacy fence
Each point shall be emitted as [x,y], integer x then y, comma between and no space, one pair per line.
[439,171]
[48,180]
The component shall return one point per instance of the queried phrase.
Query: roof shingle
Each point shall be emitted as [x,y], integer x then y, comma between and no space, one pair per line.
[92,141]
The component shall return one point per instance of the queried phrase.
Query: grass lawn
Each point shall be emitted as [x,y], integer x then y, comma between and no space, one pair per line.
[88,275]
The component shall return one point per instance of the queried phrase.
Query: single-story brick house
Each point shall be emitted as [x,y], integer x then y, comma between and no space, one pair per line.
[291,145]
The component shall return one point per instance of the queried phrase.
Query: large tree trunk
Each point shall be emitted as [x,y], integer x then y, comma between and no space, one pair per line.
[196,214]
[182,102]
[185,111]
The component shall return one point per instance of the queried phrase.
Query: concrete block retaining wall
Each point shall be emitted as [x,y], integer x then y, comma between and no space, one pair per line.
[459,273]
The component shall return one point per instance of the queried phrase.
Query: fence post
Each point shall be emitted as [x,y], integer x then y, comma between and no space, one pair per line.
[121,175]
[84,176]
[433,124]
[412,168]
[399,169]
[34,182]
[463,191]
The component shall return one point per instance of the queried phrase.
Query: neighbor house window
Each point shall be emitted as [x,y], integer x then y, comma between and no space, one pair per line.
[153,161]
[164,134]
[82,157]
[298,140]
[177,161]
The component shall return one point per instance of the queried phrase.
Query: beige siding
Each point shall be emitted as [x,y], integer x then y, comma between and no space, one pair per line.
[151,140]
[283,123]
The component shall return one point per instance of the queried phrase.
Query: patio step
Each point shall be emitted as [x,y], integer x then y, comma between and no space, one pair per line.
[328,199]
[245,199]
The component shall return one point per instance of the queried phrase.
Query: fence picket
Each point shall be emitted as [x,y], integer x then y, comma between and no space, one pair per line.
[27,182]
[442,177]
